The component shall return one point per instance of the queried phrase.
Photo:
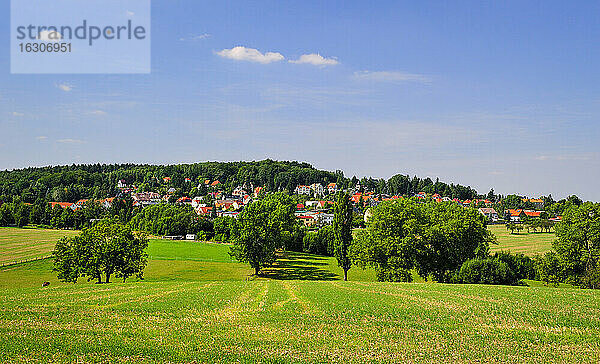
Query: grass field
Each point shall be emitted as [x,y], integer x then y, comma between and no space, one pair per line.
[527,243]
[20,244]
[196,305]
[186,261]
[287,321]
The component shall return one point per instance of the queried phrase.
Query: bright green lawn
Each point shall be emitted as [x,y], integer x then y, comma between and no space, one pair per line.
[527,243]
[20,244]
[195,261]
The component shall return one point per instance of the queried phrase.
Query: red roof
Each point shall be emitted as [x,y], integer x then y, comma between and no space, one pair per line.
[215,183]
[204,210]
[61,204]
[300,206]
[533,213]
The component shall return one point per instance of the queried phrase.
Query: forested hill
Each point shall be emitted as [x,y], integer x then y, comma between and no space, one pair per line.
[74,182]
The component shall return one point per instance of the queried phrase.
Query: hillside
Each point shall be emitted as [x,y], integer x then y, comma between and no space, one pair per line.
[74,182]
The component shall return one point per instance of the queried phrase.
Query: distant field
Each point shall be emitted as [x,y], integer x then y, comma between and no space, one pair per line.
[527,243]
[192,261]
[298,321]
[20,244]
[186,261]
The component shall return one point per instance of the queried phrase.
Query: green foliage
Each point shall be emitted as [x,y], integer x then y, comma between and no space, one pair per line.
[320,242]
[501,268]
[404,185]
[512,202]
[6,215]
[165,219]
[259,229]
[108,248]
[433,238]
[548,268]
[293,240]
[522,265]
[578,245]
[342,229]
[486,271]
[222,228]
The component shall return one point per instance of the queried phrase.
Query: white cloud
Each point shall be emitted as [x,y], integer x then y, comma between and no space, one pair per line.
[391,76]
[49,36]
[129,13]
[41,137]
[195,37]
[65,87]
[70,141]
[250,54]
[316,60]
[14,113]
[98,112]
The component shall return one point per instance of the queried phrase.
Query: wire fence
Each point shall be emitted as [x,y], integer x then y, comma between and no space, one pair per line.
[7,264]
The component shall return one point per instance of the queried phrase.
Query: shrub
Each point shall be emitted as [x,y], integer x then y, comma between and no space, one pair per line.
[548,268]
[486,271]
[521,265]
[592,277]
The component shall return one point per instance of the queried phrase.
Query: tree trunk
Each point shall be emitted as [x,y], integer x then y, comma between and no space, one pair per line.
[345,274]
[107,277]
[256,271]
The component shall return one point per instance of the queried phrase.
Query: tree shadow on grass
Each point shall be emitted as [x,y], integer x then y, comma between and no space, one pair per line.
[299,266]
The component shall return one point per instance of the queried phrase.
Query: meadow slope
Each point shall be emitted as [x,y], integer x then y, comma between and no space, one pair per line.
[298,321]
[197,304]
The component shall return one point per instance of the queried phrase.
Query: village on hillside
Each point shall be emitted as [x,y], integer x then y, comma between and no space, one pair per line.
[314,202]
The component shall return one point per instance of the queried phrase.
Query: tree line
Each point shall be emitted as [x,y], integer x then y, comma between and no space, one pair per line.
[96,181]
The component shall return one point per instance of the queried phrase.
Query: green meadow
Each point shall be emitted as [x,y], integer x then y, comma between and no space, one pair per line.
[30,243]
[196,304]
[527,243]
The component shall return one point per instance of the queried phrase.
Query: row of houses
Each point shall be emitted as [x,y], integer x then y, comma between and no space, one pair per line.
[314,218]
[107,203]
[316,188]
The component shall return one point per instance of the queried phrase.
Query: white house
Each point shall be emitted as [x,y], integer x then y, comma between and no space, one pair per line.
[302,190]
[332,188]
[145,198]
[317,188]
[196,201]
[239,191]
[190,237]
[325,219]
[489,212]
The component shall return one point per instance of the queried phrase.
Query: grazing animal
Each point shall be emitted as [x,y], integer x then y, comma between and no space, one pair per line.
[45,284]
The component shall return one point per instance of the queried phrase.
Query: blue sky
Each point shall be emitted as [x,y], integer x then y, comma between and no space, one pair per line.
[502,95]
